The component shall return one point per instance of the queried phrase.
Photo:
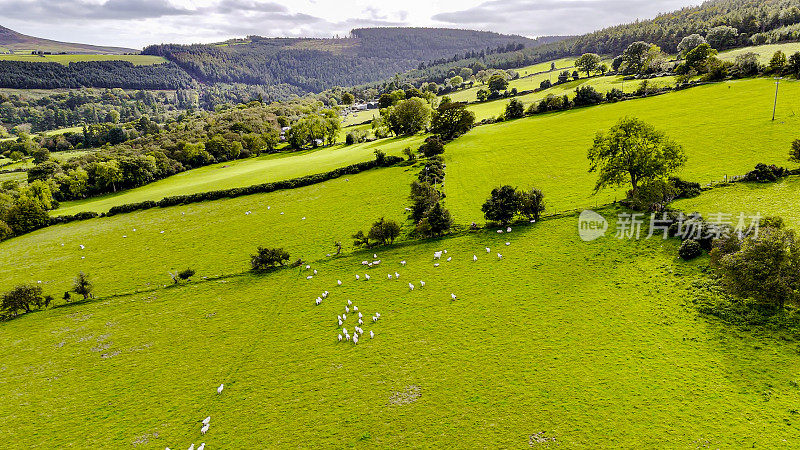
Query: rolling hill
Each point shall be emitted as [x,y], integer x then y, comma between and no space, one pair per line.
[13,42]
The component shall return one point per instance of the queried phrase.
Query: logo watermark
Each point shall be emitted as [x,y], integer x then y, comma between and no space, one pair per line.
[633,226]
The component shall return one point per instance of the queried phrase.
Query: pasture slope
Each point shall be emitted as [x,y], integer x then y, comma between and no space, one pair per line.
[589,344]
[725,128]
[561,342]
[246,172]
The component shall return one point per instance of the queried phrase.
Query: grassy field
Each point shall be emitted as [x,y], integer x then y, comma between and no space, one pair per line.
[360,117]
[495,108]
[139,60]
[549,151]
[770,199]
[607,354]
[764,52]
[246,172]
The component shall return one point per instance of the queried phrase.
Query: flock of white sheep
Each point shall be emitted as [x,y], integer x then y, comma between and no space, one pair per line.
[205,424]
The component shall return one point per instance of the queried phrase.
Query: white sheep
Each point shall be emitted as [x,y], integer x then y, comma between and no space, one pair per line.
[344,316]
[207,420]
[374,319]
[325,294]
[508,243]
[344,330]
[191,447]
[220,388]
[488,250]
[449,259]
[355,339]
[378,315]
[375,263]
[315,271]
[364,263]
[204,430]
[340,338]
[358,277]
[202,446]
[339,282]
[349,303]
[410,286]
[437,255]
[499,256]
[375,256]
[403,263]
[340,322]
[367,277]
[308,266]
[309,277]
[453,296]
[508,230]
[396,275]
[474,257]
[347,309]
[371,334]
[360,322]
[436,265]
[360,315]
[319,300]
[390,276]
[499,231]
[355,308]
[422,283]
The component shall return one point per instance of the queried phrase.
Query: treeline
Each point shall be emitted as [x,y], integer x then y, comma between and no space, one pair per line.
[99,74]
[313,65]
[34,113]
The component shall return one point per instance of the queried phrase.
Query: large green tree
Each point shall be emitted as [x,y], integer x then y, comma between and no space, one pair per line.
[634,152]
[409,116]
[451,120]
[588,62]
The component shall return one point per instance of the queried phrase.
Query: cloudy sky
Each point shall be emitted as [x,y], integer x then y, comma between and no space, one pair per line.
[136,23]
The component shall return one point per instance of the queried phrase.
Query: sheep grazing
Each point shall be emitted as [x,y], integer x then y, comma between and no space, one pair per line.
[499,231]
[390,276]
[162,232]
[410,286]
[344,316]
[191,447]
[308,267]
[340,322]
[344,330]
[207,420]
[358,277]
[220,388]
[82,247]
[204,430]
[374,256]
[355,339]
[449,259]
[396,275]
[360,322]
[437,255]
[367,277]
[347,309]
[349,302]
[369,265]
[347,337]
[422,284]
[508,230]
[378,315]
[499,256]
[508,243]
[360,315]
[338,282]
[364,263]
[325,294]
[319,300]
[453,296]
[371,334]
[403,263]
[340,338]
[374,319]
[375,263]
[355,308]
[488,250]
[303,218]
[202,446]
[474,257]
[309,277]
[315,271]
[436,265]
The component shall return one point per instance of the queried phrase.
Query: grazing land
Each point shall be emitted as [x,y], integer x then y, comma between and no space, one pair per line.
[139,60]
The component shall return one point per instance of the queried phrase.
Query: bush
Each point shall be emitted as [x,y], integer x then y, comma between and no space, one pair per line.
[514,109]
[689,250]
[22,297]
[384,231]
[268,258]
[766,174]
[684,189]
[186,274]
[586,96]
[437,221]
[502,205]
[82,285]
[355,137]
[432,146]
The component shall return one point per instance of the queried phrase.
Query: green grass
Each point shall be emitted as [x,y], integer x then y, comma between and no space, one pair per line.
[607,354]
[764,52]
[495,108]
[360,117]
[213,237]
[769,199]
[245,172]
[549,151]
[139,60]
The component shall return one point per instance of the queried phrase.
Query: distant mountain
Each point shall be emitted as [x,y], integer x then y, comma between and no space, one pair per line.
[312,65]
[11,41]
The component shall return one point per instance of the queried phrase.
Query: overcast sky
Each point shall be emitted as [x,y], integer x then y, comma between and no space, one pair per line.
[136,23]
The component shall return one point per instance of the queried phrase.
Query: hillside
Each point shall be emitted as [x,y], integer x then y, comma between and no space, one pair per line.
[13,42]
[367,55]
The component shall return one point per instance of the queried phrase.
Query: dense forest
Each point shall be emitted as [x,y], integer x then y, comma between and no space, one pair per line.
[99,74]
[313,65]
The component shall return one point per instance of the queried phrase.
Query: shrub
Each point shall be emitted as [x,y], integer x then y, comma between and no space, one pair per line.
[502,205]
[689,250]
[409,154]
[432,146]
[586,96]
[765,174]
[384,231]
[360,239]
[514,109]
[531,203]
[82,285]
[355,137]
[794,154]
[437,221]
[186,274]
[268,258]
[684,189]
[22,297]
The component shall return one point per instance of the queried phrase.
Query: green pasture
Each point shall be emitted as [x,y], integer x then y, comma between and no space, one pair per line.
[764,52]
[549,151]
[246,172]
[139,60]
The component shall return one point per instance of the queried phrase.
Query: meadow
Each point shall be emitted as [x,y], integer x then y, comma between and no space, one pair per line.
[769,199]
[246,172]
[549,151]
[764,52]
[607,354]
[138,60]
